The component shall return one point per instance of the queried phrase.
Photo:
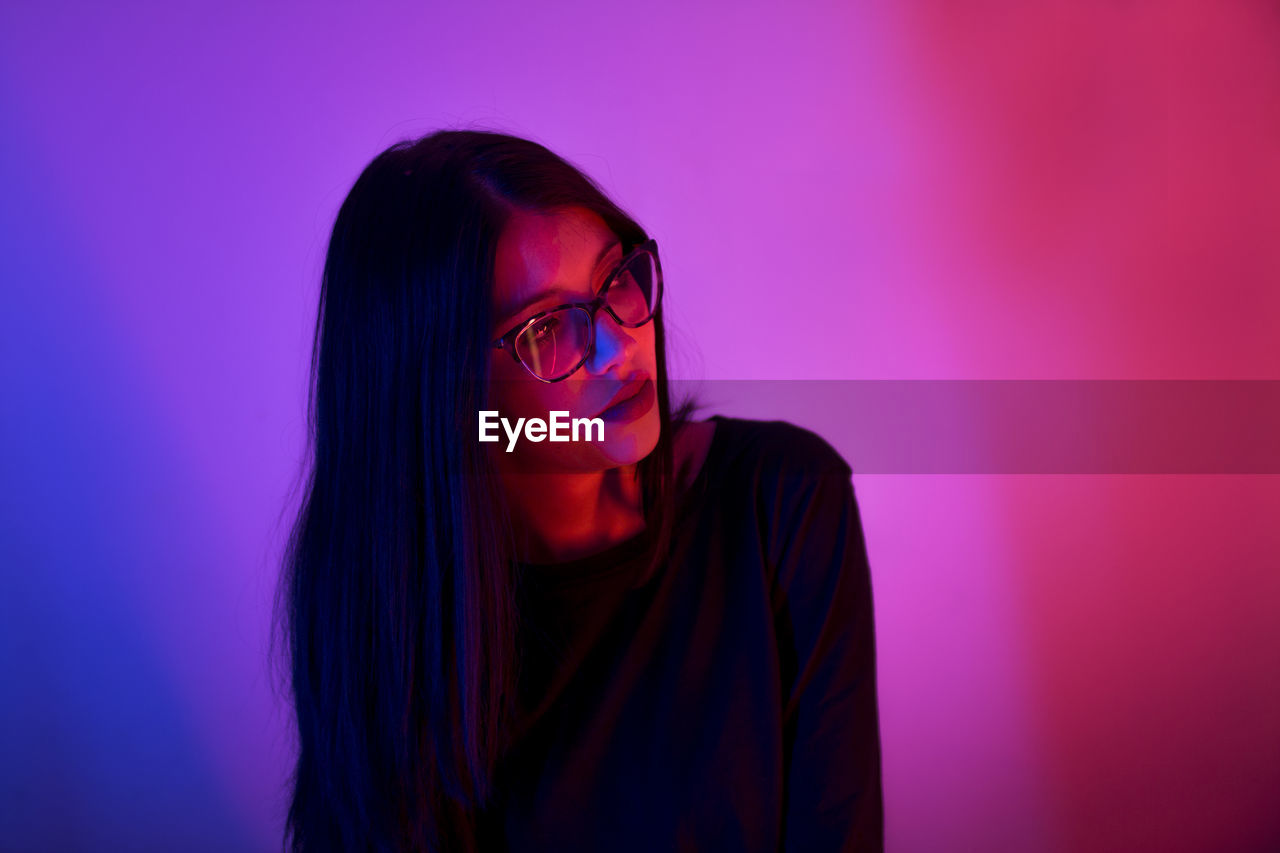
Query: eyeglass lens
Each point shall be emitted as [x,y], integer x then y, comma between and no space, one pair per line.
[556,344]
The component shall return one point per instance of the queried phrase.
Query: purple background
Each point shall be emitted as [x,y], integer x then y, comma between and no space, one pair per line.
[907,190]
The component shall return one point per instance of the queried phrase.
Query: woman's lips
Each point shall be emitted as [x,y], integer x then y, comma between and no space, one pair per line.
[634,406]
[626,391]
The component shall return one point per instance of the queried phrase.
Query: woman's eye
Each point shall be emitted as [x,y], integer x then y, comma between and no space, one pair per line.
[544,329]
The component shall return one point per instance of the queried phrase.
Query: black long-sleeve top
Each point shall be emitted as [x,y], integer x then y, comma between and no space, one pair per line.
[729,703]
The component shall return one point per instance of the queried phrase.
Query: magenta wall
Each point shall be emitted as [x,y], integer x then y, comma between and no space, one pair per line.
[968,190]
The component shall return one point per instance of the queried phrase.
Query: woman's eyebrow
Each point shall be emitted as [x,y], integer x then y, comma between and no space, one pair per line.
[529,303]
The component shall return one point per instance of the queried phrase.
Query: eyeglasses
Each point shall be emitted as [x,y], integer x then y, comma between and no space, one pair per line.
[552,344]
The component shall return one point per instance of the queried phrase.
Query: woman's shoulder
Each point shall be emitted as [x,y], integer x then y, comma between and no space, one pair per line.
[776,447]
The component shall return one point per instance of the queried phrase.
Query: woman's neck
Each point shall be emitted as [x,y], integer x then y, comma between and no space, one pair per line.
[561,517]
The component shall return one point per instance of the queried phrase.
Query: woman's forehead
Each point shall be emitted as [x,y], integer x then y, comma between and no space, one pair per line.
[541,252]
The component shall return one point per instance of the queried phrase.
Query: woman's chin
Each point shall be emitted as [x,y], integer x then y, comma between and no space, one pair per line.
[628,443]
[622,452]
[622,444]
[619,448]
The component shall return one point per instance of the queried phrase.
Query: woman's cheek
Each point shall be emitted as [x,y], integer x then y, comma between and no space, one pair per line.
[530,399]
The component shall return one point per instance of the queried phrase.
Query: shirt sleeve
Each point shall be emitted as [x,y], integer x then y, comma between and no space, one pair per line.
[825,627]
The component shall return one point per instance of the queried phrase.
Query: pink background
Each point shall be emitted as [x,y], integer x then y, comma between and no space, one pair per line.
[891,190]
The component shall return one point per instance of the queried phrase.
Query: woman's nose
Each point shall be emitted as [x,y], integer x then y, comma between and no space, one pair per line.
[612,343]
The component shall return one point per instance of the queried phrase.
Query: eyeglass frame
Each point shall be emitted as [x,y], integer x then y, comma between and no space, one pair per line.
[508,338]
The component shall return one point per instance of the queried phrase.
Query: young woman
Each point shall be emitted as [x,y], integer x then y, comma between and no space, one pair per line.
[658,636]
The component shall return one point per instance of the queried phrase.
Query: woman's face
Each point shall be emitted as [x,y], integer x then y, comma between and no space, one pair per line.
[544,260]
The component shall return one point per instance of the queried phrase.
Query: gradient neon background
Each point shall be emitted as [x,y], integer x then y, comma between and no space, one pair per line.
[874,190]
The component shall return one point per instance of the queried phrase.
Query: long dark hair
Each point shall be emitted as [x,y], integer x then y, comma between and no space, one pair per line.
[397,601]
